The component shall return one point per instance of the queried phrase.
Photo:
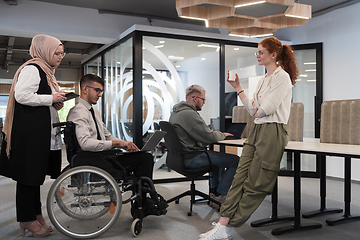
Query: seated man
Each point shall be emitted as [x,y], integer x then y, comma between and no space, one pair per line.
[92,134]
[195,134]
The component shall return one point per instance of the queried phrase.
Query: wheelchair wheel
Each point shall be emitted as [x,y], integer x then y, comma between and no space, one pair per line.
[84,202]
[136,227]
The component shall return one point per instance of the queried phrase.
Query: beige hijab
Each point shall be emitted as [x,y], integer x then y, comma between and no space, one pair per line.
[42,50]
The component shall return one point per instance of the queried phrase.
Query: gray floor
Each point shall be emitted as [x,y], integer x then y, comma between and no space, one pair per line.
[176,225]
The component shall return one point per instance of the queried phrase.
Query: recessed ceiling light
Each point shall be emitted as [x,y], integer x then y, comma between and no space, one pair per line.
[249,4]
[177,66]
[159,46]
[176,57]
[295,16]
[202,59]
[203,19]
[310,70]
[161,42]
[238,35]
[210,46]
[309,63]
[262,35]
[236,49]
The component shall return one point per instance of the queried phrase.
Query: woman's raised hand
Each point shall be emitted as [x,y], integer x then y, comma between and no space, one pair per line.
[235,83]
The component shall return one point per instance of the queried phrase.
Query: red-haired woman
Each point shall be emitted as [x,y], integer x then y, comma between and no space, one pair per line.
[262,152]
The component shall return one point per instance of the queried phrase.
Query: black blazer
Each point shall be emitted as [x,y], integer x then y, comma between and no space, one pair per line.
[29,161]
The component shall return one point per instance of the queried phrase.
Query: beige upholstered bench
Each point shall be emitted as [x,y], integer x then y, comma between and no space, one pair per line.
[340,122]
[295,124]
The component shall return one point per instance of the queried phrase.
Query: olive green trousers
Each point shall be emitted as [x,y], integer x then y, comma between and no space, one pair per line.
[256,173]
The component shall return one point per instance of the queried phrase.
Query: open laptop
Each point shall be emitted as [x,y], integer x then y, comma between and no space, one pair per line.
[235,129]
[151,143]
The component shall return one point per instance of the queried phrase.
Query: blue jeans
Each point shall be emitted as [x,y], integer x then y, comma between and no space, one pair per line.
[224,161]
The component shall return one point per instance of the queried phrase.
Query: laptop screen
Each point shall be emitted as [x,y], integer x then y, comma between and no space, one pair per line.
[236,129]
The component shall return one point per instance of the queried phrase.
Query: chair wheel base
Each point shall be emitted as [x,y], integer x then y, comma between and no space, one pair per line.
[189,214]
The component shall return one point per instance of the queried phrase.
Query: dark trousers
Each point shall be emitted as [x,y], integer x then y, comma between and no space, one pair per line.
[141,163]
[28,203]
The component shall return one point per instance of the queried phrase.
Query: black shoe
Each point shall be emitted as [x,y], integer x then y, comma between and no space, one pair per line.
[214,191]
[153,207]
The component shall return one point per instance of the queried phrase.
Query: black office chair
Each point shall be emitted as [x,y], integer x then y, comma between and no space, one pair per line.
[175,161]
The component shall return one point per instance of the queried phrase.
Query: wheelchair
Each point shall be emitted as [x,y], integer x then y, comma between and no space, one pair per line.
[86,200]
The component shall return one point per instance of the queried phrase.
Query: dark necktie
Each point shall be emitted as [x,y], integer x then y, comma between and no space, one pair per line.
[97,129]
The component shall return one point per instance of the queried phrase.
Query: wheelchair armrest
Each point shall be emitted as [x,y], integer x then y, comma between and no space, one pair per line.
[59,124]
[62,124]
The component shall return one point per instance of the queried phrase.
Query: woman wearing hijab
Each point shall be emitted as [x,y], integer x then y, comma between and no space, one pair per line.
[30,149]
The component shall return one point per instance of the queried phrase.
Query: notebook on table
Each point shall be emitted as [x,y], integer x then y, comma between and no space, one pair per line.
[235,129]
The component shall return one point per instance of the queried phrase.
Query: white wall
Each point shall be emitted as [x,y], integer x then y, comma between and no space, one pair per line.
[340,33]
[206,74]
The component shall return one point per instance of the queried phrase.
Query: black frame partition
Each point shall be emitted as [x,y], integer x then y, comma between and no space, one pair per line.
[137,54]
[318,47]
[137,106]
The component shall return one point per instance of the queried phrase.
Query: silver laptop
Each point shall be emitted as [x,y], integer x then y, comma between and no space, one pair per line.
[151,143]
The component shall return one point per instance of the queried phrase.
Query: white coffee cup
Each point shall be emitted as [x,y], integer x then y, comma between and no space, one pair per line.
[232,75]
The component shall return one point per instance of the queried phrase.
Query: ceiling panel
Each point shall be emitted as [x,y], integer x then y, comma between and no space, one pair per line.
[77,51]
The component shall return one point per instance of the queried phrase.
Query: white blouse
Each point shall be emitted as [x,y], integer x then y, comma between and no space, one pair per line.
[272,98]
[25,93]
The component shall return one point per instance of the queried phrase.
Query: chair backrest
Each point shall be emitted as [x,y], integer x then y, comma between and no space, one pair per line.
[174,159]
[294,125]
[72,145]
[340,122]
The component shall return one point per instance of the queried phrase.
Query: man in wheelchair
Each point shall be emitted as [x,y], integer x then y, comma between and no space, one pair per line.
[92,136]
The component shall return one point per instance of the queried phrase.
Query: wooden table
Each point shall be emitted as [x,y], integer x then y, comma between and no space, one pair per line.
[311,146]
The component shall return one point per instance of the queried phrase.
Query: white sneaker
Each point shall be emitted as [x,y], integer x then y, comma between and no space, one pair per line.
[219,232]
[228,231]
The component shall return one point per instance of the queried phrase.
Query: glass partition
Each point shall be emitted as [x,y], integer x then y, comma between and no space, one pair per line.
[94,67]
[118,91]
[168,63]
[243,61]
[305,88]
[169,67]
[305,92]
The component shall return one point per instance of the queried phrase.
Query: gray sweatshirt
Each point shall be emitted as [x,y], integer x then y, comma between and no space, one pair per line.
[192,130]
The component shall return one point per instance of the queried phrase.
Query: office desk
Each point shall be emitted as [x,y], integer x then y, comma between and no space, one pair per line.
[313,146]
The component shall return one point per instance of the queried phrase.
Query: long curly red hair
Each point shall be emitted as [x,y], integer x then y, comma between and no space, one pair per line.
[285,56]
